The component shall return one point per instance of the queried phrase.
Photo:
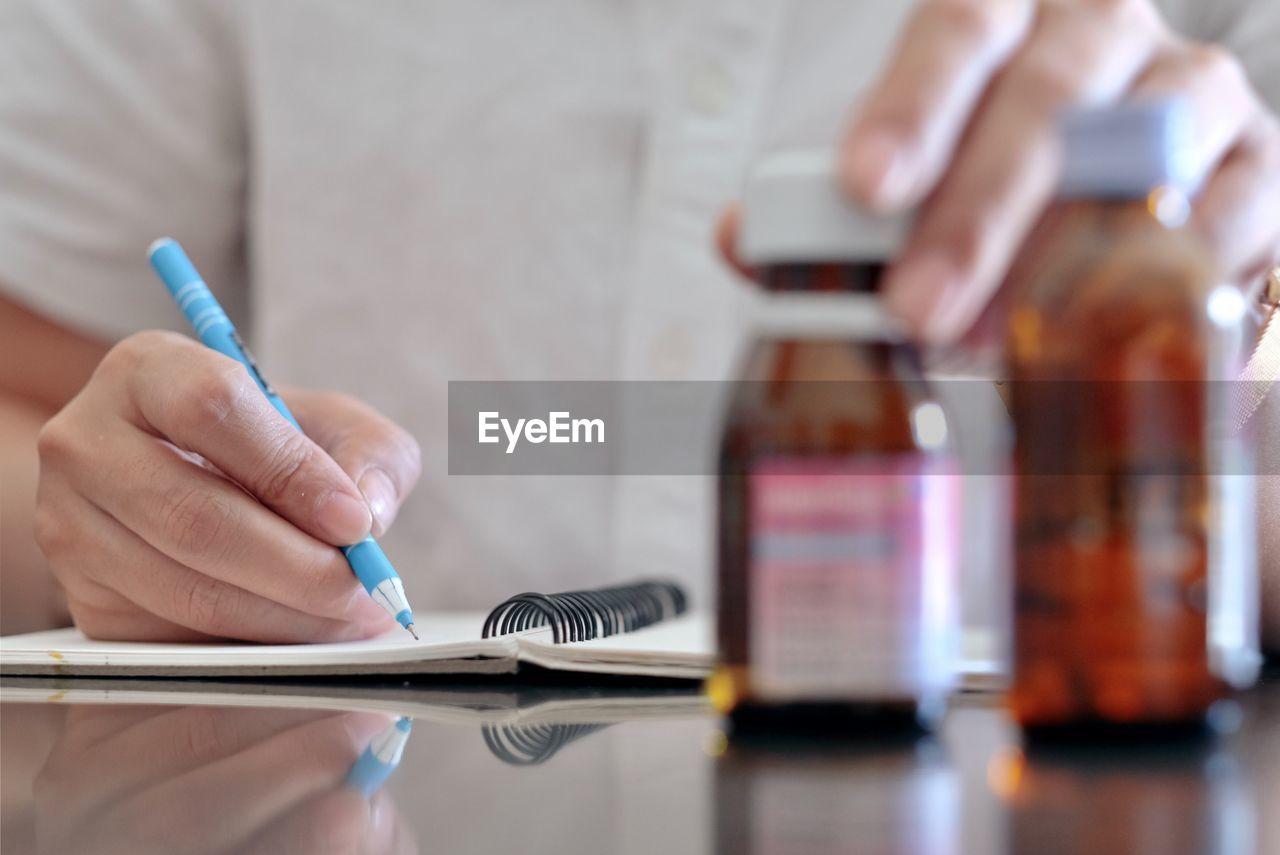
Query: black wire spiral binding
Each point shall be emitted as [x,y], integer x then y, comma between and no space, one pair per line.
[584,615]
[531,744]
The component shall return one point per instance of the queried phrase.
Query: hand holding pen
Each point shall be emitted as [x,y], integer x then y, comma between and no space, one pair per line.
[176,503]
[215,331]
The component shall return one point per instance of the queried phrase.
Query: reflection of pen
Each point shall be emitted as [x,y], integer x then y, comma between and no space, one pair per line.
[381,758]
[214,329]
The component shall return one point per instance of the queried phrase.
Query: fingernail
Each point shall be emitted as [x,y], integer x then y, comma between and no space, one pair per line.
[343,518]
[921,291]
[380,493]
[879,170]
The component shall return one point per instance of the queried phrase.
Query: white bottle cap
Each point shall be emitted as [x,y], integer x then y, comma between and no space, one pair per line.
[857,317]
[794,211]
[1125,151]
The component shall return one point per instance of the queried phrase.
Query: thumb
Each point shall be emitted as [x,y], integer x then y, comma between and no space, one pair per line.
[380,456]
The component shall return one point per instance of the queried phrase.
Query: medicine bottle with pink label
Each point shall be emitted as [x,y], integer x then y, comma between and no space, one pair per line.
[837,491]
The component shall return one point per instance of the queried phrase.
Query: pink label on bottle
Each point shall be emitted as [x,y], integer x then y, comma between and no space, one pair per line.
[853,577]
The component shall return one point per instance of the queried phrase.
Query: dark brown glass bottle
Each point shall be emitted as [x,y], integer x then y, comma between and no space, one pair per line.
[836,544]
[1150,797]
[1133,569]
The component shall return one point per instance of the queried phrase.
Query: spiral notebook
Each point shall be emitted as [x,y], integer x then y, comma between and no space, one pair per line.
[644,629]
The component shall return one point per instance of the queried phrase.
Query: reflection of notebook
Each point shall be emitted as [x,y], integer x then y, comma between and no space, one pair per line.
[635,630]
[461,704]
[522,727]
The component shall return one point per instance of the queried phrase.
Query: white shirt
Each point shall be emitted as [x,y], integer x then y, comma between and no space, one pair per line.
[389,197]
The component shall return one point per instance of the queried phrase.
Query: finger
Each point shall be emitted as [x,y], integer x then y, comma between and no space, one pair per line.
[87,725]
[1233,158]
[727,230]
[207,403]
[393,836]
[60,794]
[905,132]
[1235,212]
[380,457]
[230,801]
[129,622]
[1216,89]
[116,557]
[99,610]
[1005,170]
[337,821]
[201,522]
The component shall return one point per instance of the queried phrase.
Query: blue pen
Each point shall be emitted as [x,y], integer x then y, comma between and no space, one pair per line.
[381,758]
[214,330]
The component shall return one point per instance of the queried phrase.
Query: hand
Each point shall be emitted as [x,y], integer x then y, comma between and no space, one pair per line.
[965,116]
[176,504]
[209,780]
[963,119]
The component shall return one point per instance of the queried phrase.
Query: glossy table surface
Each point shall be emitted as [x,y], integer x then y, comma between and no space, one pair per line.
[97,767]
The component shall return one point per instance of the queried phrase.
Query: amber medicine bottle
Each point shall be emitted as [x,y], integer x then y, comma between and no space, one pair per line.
[837,492]
[1135,573]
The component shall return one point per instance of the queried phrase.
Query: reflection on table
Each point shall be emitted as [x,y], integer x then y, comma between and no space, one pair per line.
[209,779]
[214,769]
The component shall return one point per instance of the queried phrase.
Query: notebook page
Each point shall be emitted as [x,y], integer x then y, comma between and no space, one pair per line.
[444,637]
[683,647]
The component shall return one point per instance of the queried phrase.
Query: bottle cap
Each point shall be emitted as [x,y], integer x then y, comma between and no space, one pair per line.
[794,211]
[1125,151]
[856,317]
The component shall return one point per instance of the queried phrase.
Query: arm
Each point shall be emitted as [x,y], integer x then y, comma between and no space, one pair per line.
[42,366]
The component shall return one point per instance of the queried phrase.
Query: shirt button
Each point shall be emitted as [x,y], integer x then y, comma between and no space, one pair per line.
[710,89]
[671,353]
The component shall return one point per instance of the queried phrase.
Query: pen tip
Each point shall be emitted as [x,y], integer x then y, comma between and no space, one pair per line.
[413,632]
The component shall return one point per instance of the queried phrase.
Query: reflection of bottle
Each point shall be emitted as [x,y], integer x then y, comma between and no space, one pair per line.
[836,527]
[1153,799]
[1134,549]
[820,799]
